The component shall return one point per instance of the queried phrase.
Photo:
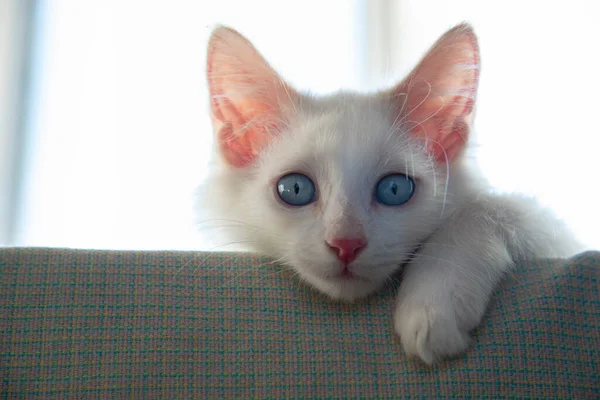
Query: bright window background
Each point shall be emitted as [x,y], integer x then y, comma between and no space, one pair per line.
[118,135]
[537,126]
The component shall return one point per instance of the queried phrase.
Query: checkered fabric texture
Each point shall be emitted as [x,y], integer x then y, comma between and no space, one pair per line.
[107,324]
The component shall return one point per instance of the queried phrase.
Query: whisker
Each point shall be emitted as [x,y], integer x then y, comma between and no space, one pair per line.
[419,255]
[411,245]
[429,89]
[255,267]
[207,255]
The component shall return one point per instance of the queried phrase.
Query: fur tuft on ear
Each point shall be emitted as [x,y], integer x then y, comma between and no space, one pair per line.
[248,98]
[436,101]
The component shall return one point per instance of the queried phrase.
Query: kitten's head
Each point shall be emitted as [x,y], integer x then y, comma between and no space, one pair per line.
[341,188]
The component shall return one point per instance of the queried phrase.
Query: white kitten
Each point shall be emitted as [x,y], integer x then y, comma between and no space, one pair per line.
[348,188]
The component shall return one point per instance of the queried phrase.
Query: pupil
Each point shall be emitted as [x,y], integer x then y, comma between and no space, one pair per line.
[296,188]
[394,188]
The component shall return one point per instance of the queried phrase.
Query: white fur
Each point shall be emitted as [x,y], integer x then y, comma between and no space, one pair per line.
[468,238]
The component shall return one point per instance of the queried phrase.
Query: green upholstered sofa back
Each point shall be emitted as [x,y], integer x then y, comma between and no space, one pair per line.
[109,324]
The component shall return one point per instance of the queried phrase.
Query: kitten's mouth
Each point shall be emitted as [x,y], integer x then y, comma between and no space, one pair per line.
[346,273]
[345,286]
[346,276]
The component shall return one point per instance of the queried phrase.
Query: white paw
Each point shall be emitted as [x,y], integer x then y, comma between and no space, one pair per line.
[431,331]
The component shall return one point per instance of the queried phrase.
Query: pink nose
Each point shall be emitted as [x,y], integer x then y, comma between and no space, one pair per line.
[347,249]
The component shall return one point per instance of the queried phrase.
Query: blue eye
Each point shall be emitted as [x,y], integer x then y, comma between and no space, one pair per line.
[296,189]
[394,189]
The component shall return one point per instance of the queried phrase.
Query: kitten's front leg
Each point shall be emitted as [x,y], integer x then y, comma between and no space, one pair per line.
[447,286]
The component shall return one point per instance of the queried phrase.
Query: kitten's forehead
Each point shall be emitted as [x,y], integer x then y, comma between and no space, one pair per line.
[346,141]
[352,119]
[355,135]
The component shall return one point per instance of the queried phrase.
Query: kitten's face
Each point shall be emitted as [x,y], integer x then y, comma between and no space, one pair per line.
[344,145]
[345,151]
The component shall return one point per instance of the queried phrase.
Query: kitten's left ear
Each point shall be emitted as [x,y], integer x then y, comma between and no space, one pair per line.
[435,102]
[249,100]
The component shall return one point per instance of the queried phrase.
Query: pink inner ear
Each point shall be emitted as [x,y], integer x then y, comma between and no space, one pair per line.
[445,130]
[438,97]
[246,95]
[239,144]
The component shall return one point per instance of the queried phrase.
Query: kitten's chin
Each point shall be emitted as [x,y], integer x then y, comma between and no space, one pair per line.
[343,289]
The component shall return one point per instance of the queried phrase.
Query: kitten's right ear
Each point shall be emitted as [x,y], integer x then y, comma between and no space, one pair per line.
[248,98]
[436,101]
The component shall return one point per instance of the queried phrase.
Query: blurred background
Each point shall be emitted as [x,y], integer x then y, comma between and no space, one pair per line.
[104,128]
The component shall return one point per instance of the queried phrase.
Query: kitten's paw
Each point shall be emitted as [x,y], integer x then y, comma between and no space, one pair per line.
[431,331]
